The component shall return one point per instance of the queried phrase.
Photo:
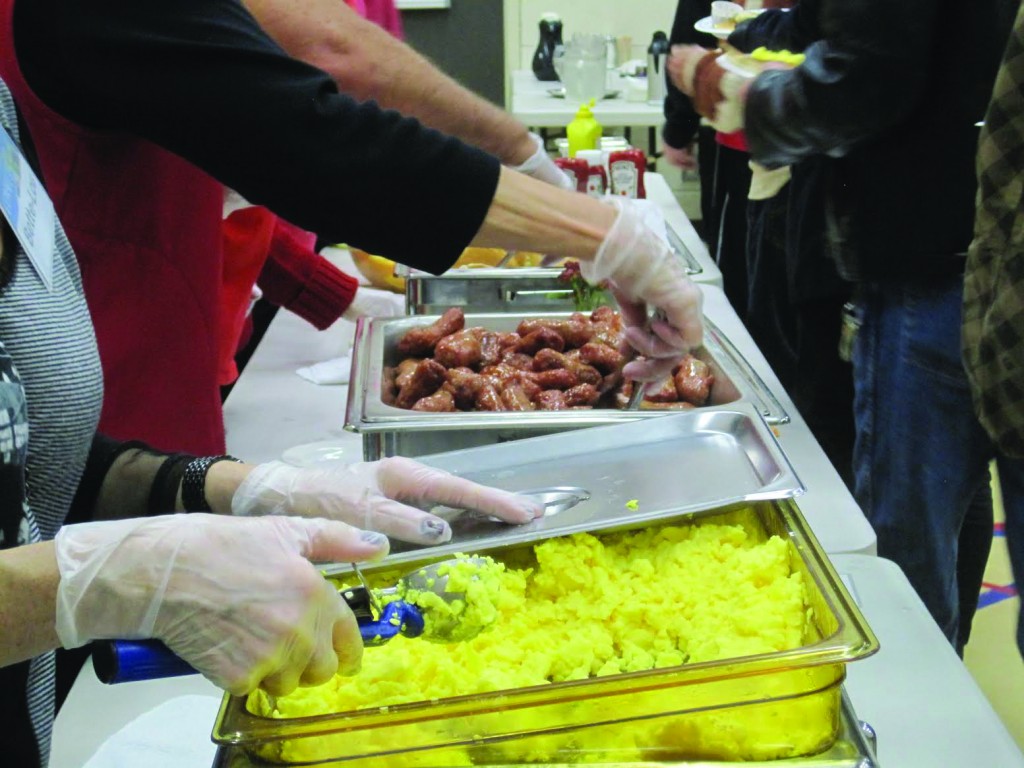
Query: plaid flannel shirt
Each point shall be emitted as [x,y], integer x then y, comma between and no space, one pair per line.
[993,312]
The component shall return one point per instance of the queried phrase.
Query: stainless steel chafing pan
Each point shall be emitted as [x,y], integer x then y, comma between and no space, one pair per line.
[510,289]
[391,431]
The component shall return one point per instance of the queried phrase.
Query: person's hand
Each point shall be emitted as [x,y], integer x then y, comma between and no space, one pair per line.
[239,600]
[682,66]
[718,94]
[680,157]
[541,167]
[642,270]
[377,496]
[374,302]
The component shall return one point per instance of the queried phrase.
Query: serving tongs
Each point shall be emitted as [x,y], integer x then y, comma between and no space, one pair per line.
[379,619]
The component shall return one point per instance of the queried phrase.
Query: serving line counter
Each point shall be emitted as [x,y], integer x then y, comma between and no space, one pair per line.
[915,693]
[271,410]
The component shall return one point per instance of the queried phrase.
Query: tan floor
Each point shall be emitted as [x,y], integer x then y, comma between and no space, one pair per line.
[991,655]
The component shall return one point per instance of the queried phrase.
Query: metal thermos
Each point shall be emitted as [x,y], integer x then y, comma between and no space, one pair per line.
[657,59]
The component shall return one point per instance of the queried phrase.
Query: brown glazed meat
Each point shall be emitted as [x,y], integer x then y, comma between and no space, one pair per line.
[694,380]
[420,342]
[548,364]
[441,401]
[462,349]
[425,380]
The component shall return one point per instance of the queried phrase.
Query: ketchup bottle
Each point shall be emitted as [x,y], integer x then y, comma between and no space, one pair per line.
[597,176]
[626,168]
[576,169]
[597,181]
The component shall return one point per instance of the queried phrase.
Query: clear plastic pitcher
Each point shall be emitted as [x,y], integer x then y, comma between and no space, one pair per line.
[584,68]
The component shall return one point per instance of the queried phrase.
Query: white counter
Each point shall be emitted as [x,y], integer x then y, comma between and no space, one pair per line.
[533,105]
[923,704]
[659,193]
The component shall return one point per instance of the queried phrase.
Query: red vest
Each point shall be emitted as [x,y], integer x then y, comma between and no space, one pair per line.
[146,227]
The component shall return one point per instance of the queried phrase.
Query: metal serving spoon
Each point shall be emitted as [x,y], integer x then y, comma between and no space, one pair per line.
[122,661]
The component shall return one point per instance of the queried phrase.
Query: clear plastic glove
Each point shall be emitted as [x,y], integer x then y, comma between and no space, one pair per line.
[541,167]
[240,600]
[376,496]
[374,302]
[642,270]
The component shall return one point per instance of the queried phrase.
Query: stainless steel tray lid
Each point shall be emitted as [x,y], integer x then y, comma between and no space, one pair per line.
[613,476]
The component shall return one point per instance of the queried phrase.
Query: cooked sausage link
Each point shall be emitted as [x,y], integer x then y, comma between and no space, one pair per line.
[548,359]
[517,360]
[425,380]
[530,388]
[664,392]
[694,380]
[388,387]
[465,386]
[490,348]
[515,398]
[441,401]
[582,394]
[488,399]
[404,370]
[606,359]
[575,331]
[460,350]
[420,342]
[558,378]
[539,339]
[551,400]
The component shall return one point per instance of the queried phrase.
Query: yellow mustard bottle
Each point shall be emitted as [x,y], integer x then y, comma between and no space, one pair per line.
[584,132]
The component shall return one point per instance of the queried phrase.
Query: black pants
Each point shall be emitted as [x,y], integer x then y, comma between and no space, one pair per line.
[798,330]
[725,181]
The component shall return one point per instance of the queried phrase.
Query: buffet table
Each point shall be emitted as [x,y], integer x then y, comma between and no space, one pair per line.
[533,104]
[915,693]
[271,409]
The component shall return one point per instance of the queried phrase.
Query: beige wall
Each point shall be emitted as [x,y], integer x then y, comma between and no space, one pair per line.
[636,18]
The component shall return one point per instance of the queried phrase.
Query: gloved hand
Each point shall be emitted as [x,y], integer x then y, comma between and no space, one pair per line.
[374,302]
[238,599]
[642,270]
[376,496]
[541,167]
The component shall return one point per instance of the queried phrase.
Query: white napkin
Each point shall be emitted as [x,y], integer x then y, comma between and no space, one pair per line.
[175,734]
[334,371]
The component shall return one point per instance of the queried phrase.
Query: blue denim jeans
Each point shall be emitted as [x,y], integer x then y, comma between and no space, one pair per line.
[921,456]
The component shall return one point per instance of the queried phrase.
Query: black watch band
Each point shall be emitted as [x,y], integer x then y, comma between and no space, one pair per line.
[193,482]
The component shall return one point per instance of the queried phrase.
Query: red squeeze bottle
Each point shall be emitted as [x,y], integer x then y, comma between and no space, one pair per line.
[627,168]
[576,169]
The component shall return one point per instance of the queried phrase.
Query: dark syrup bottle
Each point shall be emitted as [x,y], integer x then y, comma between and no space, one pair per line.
[543,57]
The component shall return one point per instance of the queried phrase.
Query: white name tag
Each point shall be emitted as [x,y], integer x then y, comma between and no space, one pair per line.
[27,208]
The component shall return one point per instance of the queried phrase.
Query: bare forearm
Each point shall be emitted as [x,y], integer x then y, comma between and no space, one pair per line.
[28,600]
[368,63]
[529,215]
[126,487]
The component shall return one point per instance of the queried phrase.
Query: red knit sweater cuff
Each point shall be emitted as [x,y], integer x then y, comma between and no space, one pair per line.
[325,295]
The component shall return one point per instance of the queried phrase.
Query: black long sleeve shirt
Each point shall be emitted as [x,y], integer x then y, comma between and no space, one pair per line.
[200,78]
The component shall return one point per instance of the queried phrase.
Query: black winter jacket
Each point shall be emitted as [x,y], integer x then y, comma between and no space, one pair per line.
[893,92]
